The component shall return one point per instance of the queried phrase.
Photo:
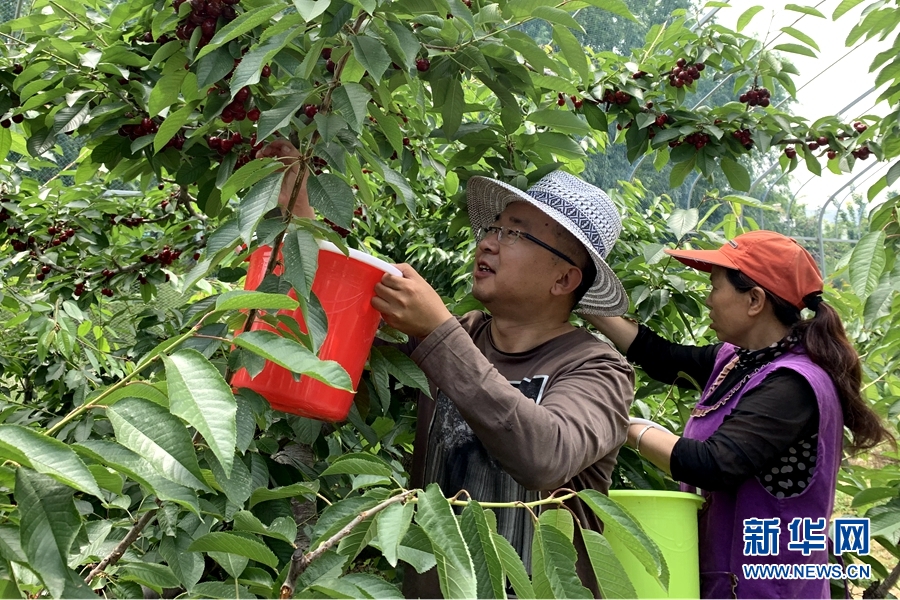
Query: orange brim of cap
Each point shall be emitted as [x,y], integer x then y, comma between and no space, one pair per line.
[702,260]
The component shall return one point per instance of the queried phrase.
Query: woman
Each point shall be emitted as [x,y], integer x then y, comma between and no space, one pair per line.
[765,439]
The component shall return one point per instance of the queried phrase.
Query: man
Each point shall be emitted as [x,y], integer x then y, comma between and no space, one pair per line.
[525,403]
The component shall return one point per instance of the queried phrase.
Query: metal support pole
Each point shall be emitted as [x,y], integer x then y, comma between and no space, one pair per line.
[822,214]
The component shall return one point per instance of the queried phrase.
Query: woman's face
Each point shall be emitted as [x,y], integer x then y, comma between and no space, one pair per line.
[727,309]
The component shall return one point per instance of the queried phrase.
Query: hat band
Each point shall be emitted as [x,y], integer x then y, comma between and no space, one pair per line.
[574,214]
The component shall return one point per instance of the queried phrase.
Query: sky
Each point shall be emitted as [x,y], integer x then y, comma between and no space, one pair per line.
[826,85]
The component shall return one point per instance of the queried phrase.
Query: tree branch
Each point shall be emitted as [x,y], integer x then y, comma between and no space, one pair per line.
[114,556]
[300,562]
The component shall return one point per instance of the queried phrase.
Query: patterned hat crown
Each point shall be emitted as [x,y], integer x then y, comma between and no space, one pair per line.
[583,209]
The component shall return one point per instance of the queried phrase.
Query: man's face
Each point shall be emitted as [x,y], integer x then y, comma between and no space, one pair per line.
[521,274]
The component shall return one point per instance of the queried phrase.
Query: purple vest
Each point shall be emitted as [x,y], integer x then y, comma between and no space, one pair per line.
[721,518]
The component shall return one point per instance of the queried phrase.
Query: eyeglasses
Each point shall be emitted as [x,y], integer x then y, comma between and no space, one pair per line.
[508,237]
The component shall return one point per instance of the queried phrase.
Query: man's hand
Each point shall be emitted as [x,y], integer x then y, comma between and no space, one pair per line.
[284,151]
[409,304]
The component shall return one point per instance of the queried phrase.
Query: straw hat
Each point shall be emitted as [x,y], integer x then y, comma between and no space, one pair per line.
[581,208]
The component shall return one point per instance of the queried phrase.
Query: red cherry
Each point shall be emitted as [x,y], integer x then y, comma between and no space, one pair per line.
[326,53]
[18,118]
[266,71]
[213,142]
[310,110]
[237,138]
[253,114]
[242,94]
[831,154]
[423,64]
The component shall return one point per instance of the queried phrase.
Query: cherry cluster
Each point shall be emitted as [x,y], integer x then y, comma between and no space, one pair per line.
[820,141]
[223,144]
[697,140]
[756,96]
[862,153]
[134,131]
[576,101]
[126,221]
[166,257]
[204,14]
[237,109]
[616,97]
[683,74]
[743,136]
[860,126]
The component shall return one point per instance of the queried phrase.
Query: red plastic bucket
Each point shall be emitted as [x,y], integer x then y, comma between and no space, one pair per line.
[345,287]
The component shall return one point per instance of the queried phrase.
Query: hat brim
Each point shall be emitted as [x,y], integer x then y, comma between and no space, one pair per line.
[702,260]
[487,198]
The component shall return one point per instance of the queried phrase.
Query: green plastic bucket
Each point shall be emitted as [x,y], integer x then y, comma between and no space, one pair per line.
[670,519]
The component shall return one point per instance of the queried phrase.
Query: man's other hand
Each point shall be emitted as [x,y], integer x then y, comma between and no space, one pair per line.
[284,151]
[409,303]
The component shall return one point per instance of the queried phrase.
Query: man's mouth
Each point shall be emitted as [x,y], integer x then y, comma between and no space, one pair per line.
[483,268]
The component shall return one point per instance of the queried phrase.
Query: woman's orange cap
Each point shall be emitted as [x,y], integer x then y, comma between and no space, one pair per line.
[774,261]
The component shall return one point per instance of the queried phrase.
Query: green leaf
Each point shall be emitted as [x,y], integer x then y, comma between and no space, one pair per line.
[794,32]
[807,10]
[171,126]
[616,7]
[393,523]
[560,120]
[241,25]
[610,573]
[131,464]
[282,528]
[513,567]
[617,520]
[249,70]
[682,221]
[221,541]
[372,586]
[556,16]
[48,456]
[489,573]
[350,101]
[559,144]
[454,564]
[796,49]
[893,173]
[747,16]
[873,494]
[867,263]
[737,174]
[371,54]
[553,563]
[452,109]
[199,394]
[415,550]
[152,575]
[248,175]
[186,566]
[49,524]
[5,142]
[572,51]
[844,7]
[261,198]
[680,171]
[306,489]
[332,198]
[295,357]
[279,115]
[250,300]
[159,437]
[358,463]
[310,9]
[301,259]
[166,91]
[403,368]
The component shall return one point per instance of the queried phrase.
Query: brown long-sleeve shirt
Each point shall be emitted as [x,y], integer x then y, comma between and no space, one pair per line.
[508,427]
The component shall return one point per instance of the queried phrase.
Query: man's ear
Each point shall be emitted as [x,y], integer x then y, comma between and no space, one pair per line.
[567,282]
[757,297]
